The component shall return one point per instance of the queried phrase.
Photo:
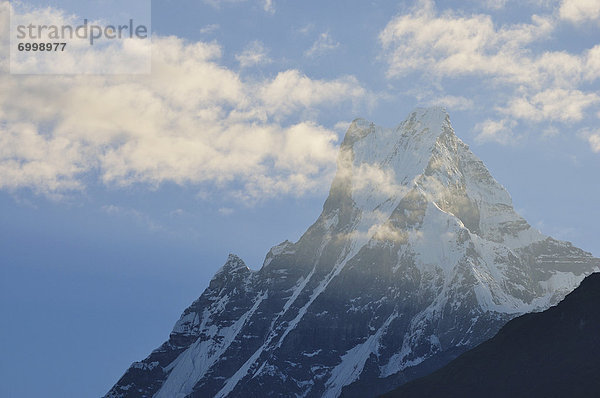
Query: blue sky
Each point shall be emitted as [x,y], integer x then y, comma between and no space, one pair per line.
[120,196]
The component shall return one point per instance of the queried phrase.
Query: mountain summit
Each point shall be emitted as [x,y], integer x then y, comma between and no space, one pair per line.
[417,256]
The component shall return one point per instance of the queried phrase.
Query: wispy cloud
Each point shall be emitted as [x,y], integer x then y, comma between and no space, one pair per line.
[209,28]
[226,211]
[453,102]
[306,29]
[592,137]
[325,43]
[219,3]
[342,126]
[267,5]
[255,53]
[499,131]
[137,216]
[594,140]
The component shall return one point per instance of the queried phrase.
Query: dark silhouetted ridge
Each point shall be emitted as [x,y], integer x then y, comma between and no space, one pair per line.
[554,353]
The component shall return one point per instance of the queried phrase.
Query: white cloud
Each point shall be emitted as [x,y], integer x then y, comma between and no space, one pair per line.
[592,137]
[177,213]
[306,29]
[501,4]
[342,126]
[379,229]
[209,28]
[455,45]
[495,131]
[495,4]
[268,6]
[453,102]
[255,53]
[193,121]
[548,132]
[291,91]
[386,232]
[322,45]
[554,104]
[218,3]
[508,65]
[580,10]
[594,140]
[225,211]
[371,179]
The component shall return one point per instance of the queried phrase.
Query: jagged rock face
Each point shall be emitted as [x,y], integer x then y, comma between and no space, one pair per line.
[545,354]
[417,256]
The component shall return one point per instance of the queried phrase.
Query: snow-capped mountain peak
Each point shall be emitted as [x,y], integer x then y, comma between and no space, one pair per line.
[417,256]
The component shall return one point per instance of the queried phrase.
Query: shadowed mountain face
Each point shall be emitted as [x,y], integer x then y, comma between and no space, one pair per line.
[555,353]
[417,256]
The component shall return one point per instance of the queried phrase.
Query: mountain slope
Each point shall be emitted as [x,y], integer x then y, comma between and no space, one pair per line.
[555,353]
[417,256]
